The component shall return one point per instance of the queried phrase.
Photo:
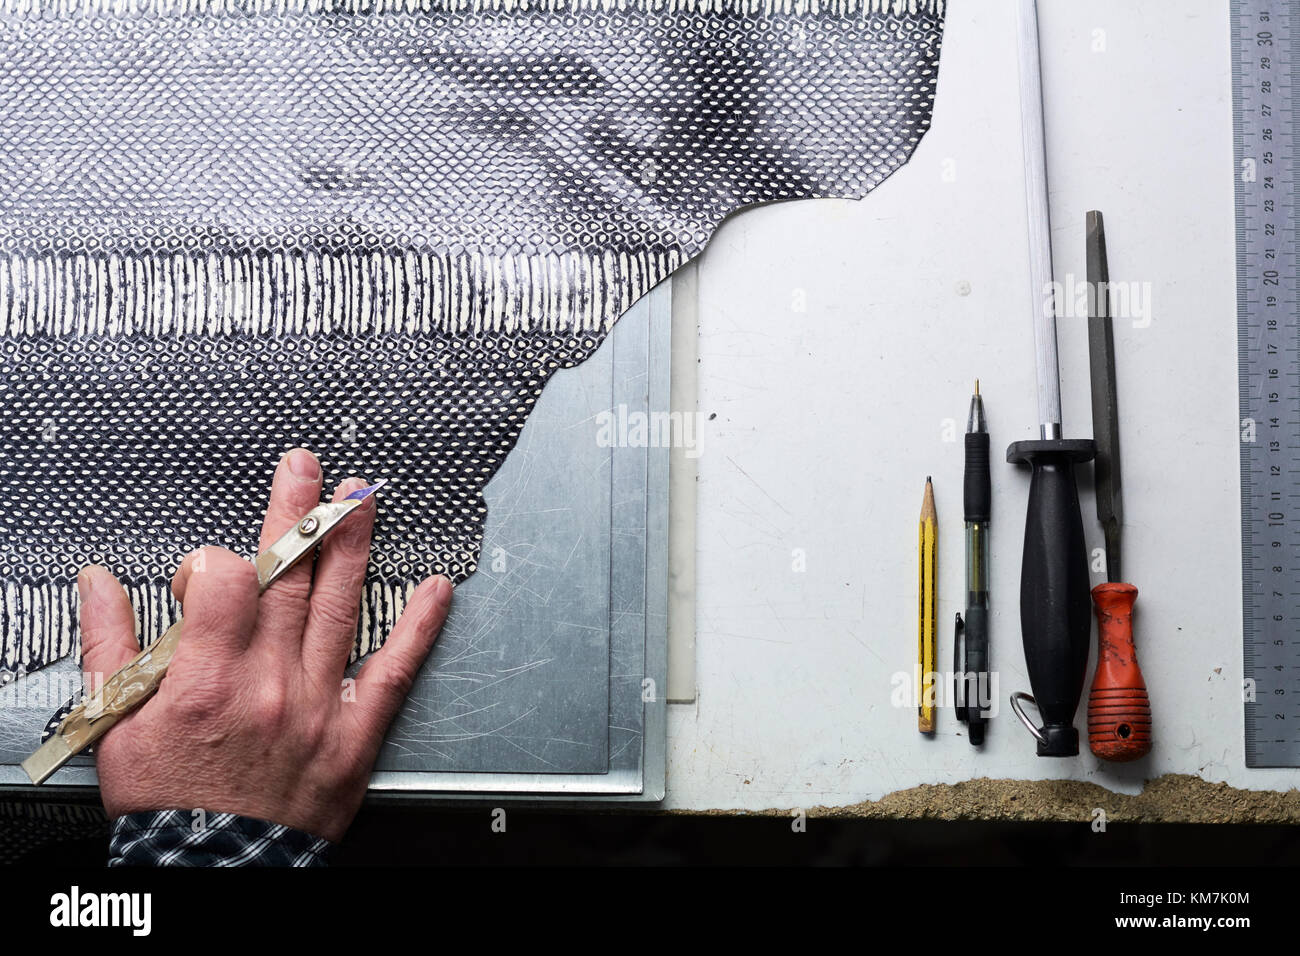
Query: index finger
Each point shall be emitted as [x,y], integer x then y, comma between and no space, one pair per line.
[295,490]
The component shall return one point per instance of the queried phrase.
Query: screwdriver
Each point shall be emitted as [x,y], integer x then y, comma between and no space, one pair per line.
[1055,613]
[1119,712]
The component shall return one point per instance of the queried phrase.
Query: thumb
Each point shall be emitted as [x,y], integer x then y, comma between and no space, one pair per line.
[107,625]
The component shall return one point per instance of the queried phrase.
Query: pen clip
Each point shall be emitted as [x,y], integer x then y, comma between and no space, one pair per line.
[959,668]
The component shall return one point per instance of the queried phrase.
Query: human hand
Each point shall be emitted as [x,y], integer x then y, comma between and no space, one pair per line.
[251,717]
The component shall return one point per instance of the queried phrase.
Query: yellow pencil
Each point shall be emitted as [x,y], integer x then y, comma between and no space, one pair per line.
[928,628]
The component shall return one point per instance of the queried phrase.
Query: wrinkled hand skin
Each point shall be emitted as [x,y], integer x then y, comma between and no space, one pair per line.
[252,717]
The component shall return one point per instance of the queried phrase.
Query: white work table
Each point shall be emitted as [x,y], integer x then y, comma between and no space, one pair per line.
[838,345]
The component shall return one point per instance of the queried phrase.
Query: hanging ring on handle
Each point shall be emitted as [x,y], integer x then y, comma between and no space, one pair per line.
[1016,698]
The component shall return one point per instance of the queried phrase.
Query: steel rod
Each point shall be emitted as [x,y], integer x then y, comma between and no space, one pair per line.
[1039,221]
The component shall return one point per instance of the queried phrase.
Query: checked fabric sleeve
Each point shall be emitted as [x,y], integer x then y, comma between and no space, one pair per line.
[197,838]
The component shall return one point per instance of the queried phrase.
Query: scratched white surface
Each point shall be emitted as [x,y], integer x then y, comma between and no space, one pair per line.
[838,338]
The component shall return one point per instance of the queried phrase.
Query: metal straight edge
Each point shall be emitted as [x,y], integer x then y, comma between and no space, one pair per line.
[1236,13]
[1267,468]
[683,475]
[647,782]
[654,736]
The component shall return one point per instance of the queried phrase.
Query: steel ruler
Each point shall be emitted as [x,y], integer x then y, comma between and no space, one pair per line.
[1266,49]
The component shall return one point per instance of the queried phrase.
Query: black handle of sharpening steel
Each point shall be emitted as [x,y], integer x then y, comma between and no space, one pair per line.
[1055,600]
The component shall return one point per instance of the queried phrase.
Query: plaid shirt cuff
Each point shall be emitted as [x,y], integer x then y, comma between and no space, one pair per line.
[196,838]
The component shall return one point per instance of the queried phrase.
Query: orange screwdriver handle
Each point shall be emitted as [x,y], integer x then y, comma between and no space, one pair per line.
[1119,713]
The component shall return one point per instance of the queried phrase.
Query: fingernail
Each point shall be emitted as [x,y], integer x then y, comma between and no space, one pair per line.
[85,585]
[442,587]
[304,464]
[351,529]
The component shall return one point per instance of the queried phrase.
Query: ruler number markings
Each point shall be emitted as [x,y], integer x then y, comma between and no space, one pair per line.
[1269,348]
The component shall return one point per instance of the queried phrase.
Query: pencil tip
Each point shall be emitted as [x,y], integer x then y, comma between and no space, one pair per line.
[927,479]
[977,386]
